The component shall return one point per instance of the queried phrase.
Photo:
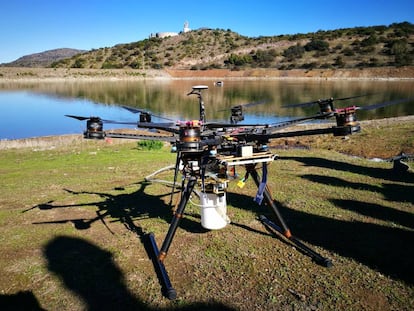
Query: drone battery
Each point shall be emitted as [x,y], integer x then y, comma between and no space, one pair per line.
[213,211]
[245,151]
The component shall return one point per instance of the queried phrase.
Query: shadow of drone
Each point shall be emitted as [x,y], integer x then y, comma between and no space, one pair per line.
[389,250]
[392,192]
[386,249]
[124,207]
[382,173]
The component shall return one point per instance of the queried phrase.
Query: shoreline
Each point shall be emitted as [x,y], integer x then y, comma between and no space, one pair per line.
[32,75]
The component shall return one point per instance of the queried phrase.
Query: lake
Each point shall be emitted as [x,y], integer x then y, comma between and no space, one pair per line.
[38,109]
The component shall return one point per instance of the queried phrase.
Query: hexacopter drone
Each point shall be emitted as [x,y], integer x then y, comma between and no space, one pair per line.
[207,154]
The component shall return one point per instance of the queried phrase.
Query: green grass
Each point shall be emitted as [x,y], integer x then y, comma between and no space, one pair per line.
[72,221]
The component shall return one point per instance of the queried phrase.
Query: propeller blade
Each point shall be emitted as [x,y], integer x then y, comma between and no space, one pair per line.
[77,117]
[384,104]
[352,97]
[137,110]
[251,104]
[321,101]
[211,125]
[280,125]
[119,122]
[260,102]
[169,127]
[103,120]
[133,110]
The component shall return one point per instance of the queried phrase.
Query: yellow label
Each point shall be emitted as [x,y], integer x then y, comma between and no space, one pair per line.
[241,184]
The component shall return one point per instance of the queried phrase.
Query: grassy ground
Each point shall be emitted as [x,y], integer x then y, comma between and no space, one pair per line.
[73,218]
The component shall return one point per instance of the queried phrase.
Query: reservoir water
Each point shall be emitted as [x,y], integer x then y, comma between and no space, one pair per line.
[38,109]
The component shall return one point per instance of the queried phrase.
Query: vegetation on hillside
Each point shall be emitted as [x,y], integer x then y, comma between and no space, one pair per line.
[43,59]
[203,49]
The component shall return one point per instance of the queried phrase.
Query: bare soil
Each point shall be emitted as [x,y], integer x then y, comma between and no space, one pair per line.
[8,74]
[366,73]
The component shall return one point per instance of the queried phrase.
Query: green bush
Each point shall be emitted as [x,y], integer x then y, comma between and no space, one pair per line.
[150,145]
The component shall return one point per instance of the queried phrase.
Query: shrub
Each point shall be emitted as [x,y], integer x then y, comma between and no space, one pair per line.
[150,144]
[295,51]
[317,45]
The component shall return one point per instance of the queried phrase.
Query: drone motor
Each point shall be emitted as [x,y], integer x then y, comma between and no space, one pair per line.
[346,121]
[94,128]
[346,117]
[145,117]
[190,135]
[236,114]
[326,106]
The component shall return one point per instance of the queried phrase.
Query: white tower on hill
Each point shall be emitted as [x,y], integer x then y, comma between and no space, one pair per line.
[186,28]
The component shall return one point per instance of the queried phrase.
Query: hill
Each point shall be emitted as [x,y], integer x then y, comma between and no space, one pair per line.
[43,59]
[202,49]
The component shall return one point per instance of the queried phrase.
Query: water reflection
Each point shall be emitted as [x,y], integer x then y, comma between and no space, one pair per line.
[38,109]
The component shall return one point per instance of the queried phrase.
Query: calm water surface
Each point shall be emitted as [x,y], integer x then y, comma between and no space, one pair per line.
[38,109]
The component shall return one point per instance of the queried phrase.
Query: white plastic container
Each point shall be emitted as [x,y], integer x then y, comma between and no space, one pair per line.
[213,211]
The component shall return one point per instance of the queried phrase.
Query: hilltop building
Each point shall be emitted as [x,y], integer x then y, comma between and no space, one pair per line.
[170,33]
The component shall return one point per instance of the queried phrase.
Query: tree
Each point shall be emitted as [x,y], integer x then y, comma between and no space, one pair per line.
[317,45]
[79,63]
[400,50]
[293,52]
[238,60]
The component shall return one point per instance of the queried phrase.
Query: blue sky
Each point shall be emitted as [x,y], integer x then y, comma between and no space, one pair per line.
[32,26]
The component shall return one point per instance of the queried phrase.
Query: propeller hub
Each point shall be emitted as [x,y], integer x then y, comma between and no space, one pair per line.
[94,128]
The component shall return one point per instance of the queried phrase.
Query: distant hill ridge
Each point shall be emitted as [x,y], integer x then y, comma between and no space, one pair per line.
[44,59]
[202,49]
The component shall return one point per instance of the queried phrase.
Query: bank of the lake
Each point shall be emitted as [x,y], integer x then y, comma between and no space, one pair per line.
[15,74]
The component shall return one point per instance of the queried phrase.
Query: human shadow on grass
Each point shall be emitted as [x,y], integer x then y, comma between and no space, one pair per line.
[127,208]
[21,301]
[386,249]
[90,273]
[382,173]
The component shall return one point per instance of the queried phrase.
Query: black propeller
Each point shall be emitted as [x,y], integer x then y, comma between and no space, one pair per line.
[137,110]
[251,104]
[384,104]
[169,126]
[307,104]
[78,117]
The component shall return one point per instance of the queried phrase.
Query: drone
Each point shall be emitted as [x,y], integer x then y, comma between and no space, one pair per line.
[208,154]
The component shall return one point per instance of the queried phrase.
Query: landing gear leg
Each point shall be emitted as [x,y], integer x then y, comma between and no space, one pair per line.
[282,228]
[159,255]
